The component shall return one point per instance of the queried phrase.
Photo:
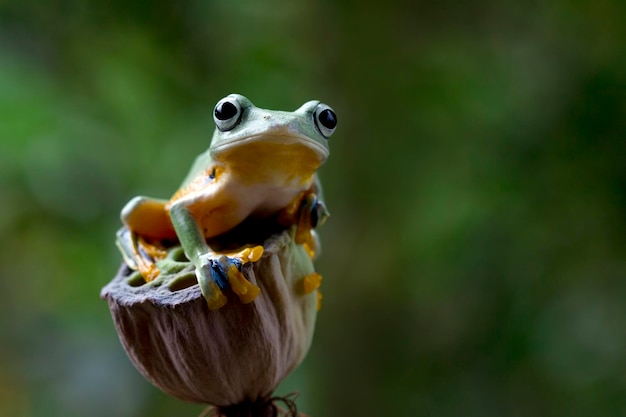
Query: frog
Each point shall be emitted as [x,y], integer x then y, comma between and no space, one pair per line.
[260,164]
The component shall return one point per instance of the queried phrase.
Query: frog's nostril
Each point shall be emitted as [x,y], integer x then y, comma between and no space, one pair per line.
[267,116]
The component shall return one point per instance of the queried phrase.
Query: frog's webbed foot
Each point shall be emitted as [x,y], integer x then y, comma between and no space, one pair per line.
[139,254]
[219,271]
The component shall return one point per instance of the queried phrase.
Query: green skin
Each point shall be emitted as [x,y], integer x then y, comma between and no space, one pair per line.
[259,162]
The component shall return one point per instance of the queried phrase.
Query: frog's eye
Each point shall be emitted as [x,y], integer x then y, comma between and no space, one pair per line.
[325,120]
[227,113]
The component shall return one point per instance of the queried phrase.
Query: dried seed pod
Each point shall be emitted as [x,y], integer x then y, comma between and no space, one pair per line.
[237,354]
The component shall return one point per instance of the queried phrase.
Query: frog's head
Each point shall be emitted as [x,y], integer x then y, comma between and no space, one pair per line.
[246,131]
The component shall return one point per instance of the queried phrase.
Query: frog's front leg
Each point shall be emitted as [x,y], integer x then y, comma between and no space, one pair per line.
[313,212]
[214,271]
[306,211]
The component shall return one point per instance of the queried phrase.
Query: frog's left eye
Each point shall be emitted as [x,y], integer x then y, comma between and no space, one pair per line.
[325,120]
[227,113]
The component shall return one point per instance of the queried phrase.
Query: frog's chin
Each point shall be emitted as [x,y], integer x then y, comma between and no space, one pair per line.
[271,140]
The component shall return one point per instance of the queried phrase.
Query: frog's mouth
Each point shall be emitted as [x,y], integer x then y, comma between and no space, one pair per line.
[294,143]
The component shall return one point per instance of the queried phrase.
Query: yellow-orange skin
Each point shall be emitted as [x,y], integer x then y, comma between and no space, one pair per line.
[260,163]
[259,178]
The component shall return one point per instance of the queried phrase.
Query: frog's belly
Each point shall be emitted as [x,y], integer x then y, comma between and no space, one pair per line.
[233,204]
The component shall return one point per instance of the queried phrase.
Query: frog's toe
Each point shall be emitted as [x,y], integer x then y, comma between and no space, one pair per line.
[230,268]
[251,254]
[216,298]
[210,280]
[311,282]
[245,255]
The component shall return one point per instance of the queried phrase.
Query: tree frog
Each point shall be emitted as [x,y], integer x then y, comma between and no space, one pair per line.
[261,165]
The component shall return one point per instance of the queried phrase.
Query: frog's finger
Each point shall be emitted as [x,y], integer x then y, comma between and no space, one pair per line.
[208,283]
[252,254]
[249,254]
[246,290]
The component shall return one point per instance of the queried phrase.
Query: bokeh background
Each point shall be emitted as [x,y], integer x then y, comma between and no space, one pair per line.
[475,262]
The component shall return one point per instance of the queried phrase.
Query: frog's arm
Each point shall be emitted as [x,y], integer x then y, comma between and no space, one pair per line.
[320,208]
[318,215]
[194,244]
[213,271]
[310,213]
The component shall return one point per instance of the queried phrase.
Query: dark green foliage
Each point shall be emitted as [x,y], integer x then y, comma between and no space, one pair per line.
[475,260]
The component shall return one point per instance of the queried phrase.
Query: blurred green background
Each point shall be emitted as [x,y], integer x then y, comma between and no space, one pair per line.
[475,262]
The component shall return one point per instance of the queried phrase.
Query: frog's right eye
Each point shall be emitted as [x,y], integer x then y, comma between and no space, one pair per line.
[227,114]
[325,119]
